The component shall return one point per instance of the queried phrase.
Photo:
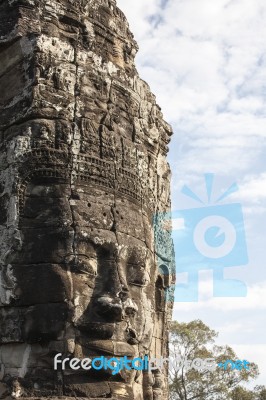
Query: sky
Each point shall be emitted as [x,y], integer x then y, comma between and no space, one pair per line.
[205,61]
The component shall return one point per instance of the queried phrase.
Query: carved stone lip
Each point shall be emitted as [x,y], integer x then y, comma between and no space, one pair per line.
[96,330]
[112,347]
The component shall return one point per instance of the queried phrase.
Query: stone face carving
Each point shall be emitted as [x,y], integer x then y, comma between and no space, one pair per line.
[83,177]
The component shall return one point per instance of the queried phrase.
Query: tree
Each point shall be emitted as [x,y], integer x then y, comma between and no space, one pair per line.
[260,392]
[240,393]
[195,340]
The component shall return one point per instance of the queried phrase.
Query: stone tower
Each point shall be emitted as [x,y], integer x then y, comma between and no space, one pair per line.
[85,270]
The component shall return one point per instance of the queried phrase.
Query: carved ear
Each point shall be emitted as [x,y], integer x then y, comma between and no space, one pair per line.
[164,272]
[161,288]
[159,294]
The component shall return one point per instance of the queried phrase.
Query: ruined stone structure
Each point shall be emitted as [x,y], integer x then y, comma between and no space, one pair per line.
[85,268]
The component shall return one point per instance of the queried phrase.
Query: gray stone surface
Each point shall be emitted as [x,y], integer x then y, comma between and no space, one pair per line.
[83,177]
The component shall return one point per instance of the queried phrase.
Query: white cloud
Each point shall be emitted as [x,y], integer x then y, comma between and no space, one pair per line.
[206,63]
[253,189]
[255,300]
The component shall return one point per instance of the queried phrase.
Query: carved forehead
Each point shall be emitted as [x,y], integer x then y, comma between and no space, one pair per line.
[99,242]
[87,200]
[96,216]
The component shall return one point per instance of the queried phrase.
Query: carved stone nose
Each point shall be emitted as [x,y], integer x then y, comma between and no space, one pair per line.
[114,309]
[110,308]
[130,307]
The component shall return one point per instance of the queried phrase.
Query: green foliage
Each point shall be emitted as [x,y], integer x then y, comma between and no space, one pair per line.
[240,393]
[196,340]
[260,393]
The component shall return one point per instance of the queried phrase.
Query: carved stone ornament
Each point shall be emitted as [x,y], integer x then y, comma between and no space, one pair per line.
[83,177]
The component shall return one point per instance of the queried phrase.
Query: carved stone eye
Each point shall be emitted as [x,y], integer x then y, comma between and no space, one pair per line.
[85,267]
[136,275]
[82,265]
